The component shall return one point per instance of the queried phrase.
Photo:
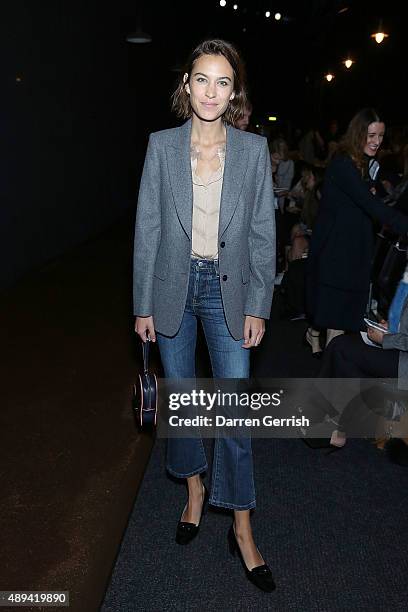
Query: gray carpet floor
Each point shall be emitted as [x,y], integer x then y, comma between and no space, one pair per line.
[333,527]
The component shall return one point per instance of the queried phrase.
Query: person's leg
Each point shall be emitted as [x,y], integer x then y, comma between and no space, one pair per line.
[233,481]
[333,333]
[312,337]
[349,357]
[232,485]
[185,456]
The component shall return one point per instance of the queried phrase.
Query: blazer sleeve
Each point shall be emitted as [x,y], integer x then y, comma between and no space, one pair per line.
[261,242]
[395,341]
[147,232]
[345,175]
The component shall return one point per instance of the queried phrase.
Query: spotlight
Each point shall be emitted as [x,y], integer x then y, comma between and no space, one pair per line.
[278,16]
[268,14]
[223,2]
[329,77]
[379,35]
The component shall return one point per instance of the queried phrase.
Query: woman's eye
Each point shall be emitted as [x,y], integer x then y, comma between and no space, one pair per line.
[223,83]
[200,79]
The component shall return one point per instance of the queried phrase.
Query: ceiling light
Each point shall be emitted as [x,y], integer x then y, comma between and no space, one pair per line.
[379,35]
[278,16]
[329,77]
[139,37]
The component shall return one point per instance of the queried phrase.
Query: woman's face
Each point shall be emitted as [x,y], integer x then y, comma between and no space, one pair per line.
[276,158]
[210,86]
[375,135]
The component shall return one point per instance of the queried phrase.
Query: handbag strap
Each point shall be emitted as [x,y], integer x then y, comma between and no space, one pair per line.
[145,348]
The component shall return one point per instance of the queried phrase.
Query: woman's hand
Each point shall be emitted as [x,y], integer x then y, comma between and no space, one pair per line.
[144,327]
[254,329]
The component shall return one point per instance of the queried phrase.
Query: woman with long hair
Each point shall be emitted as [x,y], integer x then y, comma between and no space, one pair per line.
[204,250]
[341,250]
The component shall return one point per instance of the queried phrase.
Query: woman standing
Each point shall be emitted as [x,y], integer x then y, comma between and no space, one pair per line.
[204,249]
[341,250]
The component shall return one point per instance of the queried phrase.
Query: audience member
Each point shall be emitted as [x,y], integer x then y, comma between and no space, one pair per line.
[349,356]
[342,243]
[311,146]
[243,122]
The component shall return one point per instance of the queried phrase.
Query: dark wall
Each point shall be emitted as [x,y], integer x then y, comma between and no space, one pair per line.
[74,128]
[68,129]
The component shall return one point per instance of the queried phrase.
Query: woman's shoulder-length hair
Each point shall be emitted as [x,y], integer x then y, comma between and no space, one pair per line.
[353,141]
[236,107]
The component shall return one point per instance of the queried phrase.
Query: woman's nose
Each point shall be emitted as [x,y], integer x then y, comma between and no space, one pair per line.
[210,92]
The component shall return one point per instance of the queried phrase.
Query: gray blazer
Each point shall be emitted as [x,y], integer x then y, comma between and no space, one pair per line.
[246,233]
[400,341]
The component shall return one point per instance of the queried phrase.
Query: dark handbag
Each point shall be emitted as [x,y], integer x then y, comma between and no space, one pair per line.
[145,393]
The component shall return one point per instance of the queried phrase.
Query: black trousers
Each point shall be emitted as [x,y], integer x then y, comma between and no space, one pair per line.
[348,356]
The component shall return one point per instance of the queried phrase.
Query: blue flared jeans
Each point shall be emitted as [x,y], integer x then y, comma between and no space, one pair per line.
[232,484]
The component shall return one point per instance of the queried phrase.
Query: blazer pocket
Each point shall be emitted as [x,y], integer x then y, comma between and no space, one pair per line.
[161,269]
[245,274]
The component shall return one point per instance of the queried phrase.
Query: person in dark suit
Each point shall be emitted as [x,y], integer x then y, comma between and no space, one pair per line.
[341,250]
[205,251]
[348,356]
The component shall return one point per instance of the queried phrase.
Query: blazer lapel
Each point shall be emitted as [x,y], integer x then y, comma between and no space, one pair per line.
[179,165]
[236,163]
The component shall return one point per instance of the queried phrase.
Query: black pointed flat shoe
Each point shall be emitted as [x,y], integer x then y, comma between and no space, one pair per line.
[187,531]
[260,576]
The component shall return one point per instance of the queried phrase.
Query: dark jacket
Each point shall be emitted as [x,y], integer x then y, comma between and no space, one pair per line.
[341,250]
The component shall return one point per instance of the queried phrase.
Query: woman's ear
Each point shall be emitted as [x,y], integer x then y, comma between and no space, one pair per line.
[232,96]
[186,85]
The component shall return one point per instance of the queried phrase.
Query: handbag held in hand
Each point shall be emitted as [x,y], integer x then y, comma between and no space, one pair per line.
[145,393]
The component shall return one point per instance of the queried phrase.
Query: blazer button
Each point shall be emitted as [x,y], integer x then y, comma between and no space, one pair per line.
[222,245]
[224,278]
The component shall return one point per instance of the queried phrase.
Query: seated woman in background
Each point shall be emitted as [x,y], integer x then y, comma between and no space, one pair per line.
[312,197]
[300,232]
[348,356]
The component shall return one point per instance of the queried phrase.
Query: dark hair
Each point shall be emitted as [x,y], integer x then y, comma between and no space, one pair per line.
[354,139]
[236,107]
